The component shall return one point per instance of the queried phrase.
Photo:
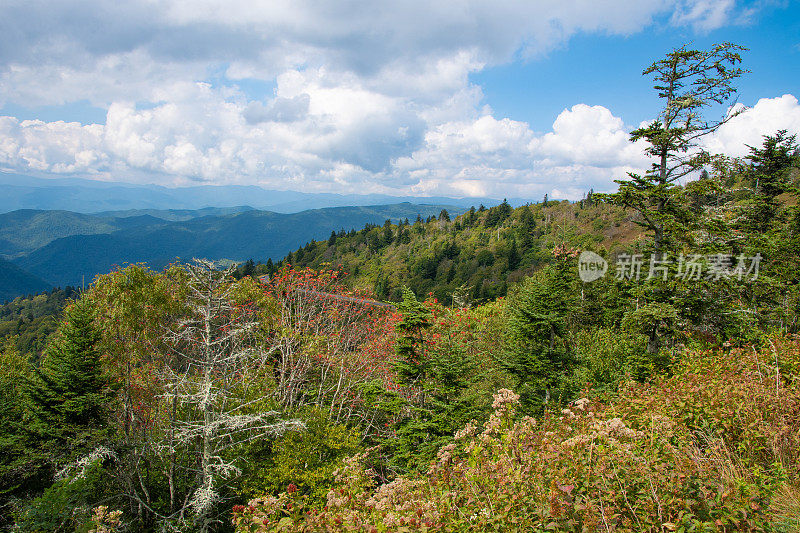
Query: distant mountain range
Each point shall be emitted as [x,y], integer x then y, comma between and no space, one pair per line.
[40,249]
[91,196]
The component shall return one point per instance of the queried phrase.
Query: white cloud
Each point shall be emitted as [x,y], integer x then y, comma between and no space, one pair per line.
[337,148]
[54,51]
[59,147]
[589,136]
[367,96]
[704,15]
[766,117]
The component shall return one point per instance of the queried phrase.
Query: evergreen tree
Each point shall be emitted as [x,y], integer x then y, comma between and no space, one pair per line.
[68,399]
[687,81]
[68,395]
[513,255]
[248,268]
[388,234]
[15,470]
[470,218]
[411,365]
[536,351]
[527,227]
[769,172]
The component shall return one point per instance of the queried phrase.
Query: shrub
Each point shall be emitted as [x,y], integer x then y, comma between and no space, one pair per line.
[708,449]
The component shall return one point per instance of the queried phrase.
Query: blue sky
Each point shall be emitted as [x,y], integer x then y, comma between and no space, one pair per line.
[606,70]
[464,98]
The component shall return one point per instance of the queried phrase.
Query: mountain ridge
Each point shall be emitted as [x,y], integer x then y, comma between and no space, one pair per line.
[102,243]
[91,196]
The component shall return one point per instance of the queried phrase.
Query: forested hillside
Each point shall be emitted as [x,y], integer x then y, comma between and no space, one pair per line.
[326,412]
[475,256]
[15,281]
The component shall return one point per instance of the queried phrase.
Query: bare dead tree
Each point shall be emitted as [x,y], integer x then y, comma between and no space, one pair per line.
[215,405]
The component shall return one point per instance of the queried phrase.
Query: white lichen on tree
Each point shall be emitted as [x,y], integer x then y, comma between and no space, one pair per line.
[214,356]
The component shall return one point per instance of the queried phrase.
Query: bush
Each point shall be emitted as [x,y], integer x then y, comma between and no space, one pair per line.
[707,449]
[305,459]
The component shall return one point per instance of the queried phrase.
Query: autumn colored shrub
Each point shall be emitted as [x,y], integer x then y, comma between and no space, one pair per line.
[708,449]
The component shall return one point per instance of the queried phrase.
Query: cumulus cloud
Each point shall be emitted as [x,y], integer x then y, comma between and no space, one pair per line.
[587,147]
[205,137]
[766,117]
[49,50]
[368,97]
[279,110]
[590,135]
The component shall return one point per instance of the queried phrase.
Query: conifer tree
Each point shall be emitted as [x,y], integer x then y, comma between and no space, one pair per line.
[687,81]
[68,395]
[527,227]
[513,255]
[411,365]
[536,350]
[14,469]
[769,172]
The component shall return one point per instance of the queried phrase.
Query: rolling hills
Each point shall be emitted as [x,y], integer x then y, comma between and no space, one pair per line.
[60,248]
[15,282]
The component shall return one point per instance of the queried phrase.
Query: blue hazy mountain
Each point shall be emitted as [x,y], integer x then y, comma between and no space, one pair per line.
[15,282]
[90,196]
[63,248]
[26,230]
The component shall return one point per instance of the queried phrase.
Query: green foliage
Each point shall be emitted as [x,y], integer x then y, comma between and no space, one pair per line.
[412,364]
[68,395]
[480,253]
[607,357]
[666,438]
[769,170]
[687,81]
[14,467]
[697,451]
[31,320]
[306,459]
[63,405]
[65,506]
[652,319]
[536,352]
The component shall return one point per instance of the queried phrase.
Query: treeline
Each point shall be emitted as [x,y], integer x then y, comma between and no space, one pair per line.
[474,257]
[27,322]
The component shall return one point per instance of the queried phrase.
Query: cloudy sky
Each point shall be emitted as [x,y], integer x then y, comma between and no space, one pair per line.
[499,98]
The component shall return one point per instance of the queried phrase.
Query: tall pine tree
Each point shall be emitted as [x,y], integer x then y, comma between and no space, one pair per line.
[68,395]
